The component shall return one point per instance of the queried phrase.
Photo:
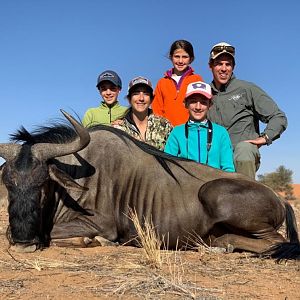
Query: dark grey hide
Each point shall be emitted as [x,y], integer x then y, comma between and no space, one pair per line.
[81,196]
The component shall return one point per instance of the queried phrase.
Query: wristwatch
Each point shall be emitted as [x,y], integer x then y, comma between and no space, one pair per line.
[268,140]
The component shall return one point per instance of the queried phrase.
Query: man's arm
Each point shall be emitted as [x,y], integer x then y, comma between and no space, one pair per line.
[268,112]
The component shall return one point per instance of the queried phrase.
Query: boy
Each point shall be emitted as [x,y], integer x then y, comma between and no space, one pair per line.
[109,85]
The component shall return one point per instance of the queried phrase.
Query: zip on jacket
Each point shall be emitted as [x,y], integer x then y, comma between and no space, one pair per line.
[169,74]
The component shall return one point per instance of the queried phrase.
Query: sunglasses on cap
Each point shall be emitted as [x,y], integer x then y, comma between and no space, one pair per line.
[223,48]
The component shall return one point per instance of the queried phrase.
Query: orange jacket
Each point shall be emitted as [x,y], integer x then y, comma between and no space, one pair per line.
[169,96]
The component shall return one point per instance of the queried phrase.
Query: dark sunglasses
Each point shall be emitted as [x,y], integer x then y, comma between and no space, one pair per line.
[223,48]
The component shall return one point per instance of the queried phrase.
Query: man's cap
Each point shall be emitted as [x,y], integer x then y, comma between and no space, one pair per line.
[199,87]
[140,81]
[111,76]
[221,48]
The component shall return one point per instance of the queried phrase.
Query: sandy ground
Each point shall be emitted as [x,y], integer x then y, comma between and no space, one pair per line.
[124,273]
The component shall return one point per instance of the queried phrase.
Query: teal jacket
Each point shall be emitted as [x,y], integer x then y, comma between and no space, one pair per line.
[103,114]
[193,145]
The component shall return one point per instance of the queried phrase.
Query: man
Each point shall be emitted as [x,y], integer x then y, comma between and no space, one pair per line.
[109,85]
[239,106]
[199,139]
[139,120]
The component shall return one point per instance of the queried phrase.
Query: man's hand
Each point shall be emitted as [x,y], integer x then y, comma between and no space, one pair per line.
[260,141]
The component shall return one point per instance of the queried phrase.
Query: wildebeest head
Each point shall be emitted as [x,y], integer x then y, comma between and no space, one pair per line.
[24,174]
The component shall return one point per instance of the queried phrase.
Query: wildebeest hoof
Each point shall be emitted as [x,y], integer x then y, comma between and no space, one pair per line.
[217,249]
[87,241]
[104,242]
[23,248]
[229,248]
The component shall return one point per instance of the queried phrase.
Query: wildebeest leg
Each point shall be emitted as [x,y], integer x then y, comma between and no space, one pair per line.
[101,241]
[82,242]
[77,242]
[82,233]
[233,242]
[250,214]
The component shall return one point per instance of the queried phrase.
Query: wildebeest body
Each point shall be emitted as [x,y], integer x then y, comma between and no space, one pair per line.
[128,178]
[115,173]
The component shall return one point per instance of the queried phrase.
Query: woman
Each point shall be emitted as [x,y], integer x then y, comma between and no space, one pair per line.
[170,90]
[139,121]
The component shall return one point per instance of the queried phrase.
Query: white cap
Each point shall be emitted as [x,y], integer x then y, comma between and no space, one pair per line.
[199,87]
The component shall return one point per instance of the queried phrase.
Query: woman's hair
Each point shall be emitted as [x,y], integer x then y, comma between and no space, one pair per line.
[185,45]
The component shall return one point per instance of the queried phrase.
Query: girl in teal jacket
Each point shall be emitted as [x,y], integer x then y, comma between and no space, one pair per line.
[191,140]
[199,139]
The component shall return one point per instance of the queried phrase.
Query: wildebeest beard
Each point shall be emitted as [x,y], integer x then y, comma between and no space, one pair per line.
[24,200]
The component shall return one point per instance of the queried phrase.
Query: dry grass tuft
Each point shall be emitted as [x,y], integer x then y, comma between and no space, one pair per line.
[156,286]
[170,276]
[196,243]
[148,239]
[174,263]
[41,263]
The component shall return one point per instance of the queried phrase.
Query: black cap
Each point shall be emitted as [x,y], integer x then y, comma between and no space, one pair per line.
[111,76]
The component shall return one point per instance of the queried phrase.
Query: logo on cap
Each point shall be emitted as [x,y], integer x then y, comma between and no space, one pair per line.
[106,75]
[138,80]
[199,85]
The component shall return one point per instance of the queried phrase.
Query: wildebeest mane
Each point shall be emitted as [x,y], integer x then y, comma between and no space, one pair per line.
[159,155]
[61,132]
[58,133]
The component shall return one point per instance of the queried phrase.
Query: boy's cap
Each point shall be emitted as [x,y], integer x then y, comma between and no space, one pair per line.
[111,76]
[199,87]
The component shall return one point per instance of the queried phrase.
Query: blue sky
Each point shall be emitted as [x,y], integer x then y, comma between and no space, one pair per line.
[52,52]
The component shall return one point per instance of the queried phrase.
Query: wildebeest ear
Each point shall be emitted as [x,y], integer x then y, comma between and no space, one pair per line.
[64,179]
[1,170]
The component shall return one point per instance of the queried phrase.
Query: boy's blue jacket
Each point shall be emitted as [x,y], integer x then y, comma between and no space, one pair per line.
[194,146]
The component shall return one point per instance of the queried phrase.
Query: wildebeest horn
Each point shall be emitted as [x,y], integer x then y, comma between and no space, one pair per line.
[46,151]
[9,151]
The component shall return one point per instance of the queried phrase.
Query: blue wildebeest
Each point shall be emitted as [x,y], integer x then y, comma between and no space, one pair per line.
[75,188]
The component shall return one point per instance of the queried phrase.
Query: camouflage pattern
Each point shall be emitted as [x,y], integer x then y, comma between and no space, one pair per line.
[158,130]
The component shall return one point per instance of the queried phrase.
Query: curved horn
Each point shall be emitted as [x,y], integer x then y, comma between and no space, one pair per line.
[9,151]
[46,151]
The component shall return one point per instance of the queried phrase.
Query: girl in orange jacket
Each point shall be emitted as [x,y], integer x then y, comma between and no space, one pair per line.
[170,90]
